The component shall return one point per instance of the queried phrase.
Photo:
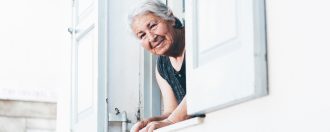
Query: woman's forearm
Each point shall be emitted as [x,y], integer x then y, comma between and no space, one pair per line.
[180,113]
[159,118]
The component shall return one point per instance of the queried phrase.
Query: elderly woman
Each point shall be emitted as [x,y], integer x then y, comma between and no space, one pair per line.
[162,34]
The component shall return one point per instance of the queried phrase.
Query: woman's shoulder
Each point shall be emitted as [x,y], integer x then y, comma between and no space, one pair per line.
[162,63]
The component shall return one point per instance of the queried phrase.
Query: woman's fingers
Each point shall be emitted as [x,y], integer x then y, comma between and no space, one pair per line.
[144,129]
[149,128]
[136,127]
[139,125]
[155,125]
[152,128]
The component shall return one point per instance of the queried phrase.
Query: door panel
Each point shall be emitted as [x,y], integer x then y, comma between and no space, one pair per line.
[84,6]
[222,29]
[87,72]
[226,61]
[88,68]
[85,68]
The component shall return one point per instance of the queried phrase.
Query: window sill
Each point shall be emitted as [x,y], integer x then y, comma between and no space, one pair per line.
[180,125]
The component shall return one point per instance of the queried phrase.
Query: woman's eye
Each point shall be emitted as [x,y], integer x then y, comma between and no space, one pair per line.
[142,36]
[153,26]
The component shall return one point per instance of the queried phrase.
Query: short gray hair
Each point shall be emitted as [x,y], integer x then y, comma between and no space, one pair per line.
[152,6]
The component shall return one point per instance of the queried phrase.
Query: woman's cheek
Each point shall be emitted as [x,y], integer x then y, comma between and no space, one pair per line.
[145,44]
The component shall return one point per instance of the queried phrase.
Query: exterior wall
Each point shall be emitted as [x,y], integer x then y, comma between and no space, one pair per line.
[32,49]
[27,116]
[298,54]
[34,63]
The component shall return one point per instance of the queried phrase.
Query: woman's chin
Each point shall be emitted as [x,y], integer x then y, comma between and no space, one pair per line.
[160,52]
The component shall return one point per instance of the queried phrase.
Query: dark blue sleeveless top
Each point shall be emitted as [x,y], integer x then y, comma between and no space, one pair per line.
[176,79]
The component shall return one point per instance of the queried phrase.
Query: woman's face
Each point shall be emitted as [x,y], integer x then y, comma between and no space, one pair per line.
[156,34]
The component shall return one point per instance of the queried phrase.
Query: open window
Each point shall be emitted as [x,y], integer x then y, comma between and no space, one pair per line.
[226,53]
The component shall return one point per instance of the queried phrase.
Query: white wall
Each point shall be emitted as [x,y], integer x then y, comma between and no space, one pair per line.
[35,52]
[33,49]
[299,73]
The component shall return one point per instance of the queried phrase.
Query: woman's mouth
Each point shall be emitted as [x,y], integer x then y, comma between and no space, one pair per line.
[159,44]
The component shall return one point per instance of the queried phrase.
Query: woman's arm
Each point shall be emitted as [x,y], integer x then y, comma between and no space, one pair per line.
[169,101]
[178,112]
[168,96]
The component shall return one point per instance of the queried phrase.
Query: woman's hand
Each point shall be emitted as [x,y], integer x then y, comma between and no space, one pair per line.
[139,125]
[155,125]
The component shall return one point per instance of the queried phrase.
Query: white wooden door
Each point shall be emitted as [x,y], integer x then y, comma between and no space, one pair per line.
[88,89]
[226,58]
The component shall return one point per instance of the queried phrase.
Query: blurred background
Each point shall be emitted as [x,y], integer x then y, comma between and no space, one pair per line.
[34,62]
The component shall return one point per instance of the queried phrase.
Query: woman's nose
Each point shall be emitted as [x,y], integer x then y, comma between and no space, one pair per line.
[152,37]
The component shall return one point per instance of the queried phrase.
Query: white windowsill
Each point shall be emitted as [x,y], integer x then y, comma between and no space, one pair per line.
[180,125]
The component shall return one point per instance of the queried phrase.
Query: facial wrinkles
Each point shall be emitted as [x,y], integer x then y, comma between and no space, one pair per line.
[161,33]
[171,39]
[163,38]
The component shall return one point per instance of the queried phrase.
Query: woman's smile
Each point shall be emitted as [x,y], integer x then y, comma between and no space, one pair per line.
[157,35]
[159,43]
